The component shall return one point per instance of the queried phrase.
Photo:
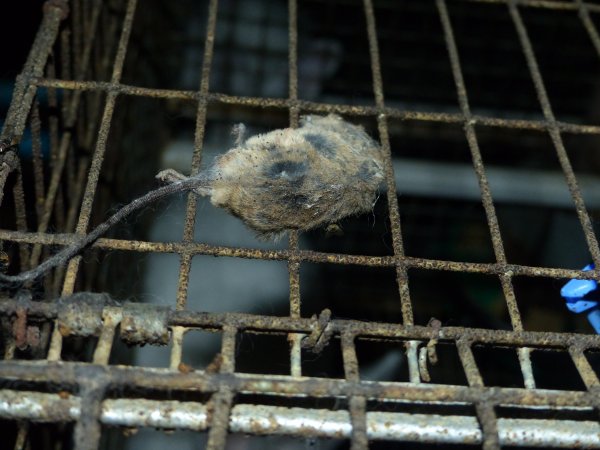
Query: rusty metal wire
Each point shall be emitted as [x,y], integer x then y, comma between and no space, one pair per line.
[86,386]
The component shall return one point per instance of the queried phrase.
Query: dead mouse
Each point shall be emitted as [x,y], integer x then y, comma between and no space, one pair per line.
[289,179]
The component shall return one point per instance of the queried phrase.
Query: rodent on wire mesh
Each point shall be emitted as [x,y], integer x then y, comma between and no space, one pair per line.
[296,179]
[290,179]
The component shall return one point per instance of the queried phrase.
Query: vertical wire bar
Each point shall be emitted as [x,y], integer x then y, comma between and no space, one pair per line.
[55,347]
[412,350]
[228,349]
[70,118]
[524,355]
[357,403]
[65,67]
[222,400]
[21,214]
[88,429]
[78,49]
[190,214]
[22,101]
[295,339]
[351,371]
[98,157]
[486,195]
[21,440]
[580,360]
[75,197]
[489,425]
[358,418]
[36,152]
[554,131]
[221,408]
[177,349]
[485,411]
[54,139]
[81,62]
[394,213]
[10,347]
[5,171]
[38,168]
[69,113]
[65,63]
[401,273]
[111,318]
[584,15]
[24,91]
[465,353]
[587,373]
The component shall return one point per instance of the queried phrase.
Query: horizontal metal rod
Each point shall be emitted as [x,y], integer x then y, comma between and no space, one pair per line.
[314,107]
[383,330]
[198,248]
[69,375]
[302,422]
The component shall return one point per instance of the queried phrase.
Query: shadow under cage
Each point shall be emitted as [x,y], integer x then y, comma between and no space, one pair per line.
[436,319]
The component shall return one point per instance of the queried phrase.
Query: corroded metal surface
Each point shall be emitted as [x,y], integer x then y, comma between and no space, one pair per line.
[269,420]
[83,396]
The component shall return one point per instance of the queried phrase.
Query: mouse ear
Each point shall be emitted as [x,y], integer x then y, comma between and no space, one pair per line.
[239,133]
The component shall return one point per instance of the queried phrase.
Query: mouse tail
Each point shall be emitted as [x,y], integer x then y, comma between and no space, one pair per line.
[63,256]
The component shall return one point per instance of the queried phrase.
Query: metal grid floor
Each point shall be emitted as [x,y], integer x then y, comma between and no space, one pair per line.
[84,393]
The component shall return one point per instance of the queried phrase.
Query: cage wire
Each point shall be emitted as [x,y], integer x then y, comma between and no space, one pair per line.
[447,330]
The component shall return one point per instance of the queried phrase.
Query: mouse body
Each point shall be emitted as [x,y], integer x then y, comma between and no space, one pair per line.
[288,179]
[298,179]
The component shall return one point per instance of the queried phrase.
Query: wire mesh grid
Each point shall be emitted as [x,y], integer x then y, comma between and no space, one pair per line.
[54,390]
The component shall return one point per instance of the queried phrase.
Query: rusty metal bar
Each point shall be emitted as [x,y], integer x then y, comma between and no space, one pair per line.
[110,320]
[401,272]
[394,213]
[221,409]
[86,435]
[36,152]
[467,360]
[358,419]
[24,91]
[412,356]
[59,159]
[584,14]
[293,243]
[177,335]
[486,195]
[68,375]
[20,214]
[21,439]
[489,425]
[222,400]
[190,214]
[357,404]
[588,375]
[313,107]
[98,155]
[357,423]
[65,142]
[53,124]
[5,170]
[264,419]
[554,133]
[303,255]
[196,319]
[228,348]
